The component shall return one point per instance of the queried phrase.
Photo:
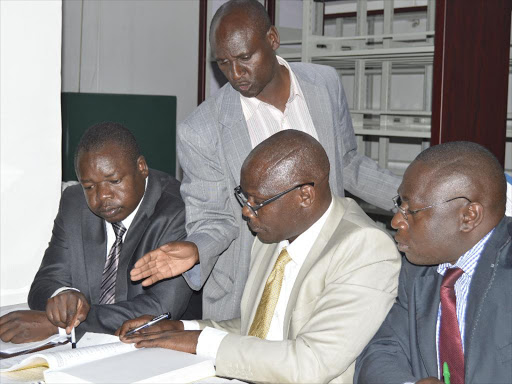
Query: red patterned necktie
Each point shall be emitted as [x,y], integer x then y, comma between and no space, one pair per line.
[450,342]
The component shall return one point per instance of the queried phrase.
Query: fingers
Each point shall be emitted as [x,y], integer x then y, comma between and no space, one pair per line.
[67,310]
[26,326]
[153,279]
[8,329]
[132,324]
[185,341]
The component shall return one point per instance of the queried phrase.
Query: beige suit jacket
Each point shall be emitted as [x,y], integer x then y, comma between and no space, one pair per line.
[342,294]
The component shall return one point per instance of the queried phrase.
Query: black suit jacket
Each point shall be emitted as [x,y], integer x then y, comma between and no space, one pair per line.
[76,256]
[404,348]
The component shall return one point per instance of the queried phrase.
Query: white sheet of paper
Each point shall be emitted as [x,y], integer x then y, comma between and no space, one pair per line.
[11,348]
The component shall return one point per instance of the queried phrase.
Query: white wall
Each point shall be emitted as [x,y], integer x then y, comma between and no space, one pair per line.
[134,47]
[30,139]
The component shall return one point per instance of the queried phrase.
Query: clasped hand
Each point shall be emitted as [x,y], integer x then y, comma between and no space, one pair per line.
[171,259]
[164,334]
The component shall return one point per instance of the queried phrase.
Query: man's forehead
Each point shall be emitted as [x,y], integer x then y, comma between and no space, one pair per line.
[428,183]
[419,180]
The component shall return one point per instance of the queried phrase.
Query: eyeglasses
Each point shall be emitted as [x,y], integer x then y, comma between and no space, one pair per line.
[242,197]
[397,200]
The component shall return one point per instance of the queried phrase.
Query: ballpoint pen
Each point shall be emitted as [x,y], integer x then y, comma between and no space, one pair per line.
[150,323]
[446,373]
[73,338]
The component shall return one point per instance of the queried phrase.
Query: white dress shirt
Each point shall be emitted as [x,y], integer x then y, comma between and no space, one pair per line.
[210,338]
[264,120]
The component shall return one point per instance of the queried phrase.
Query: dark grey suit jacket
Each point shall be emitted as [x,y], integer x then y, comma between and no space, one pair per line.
[212,144]
[404,348]
[76,256]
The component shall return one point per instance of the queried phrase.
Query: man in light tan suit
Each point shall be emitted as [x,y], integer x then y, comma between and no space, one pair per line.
[322,276]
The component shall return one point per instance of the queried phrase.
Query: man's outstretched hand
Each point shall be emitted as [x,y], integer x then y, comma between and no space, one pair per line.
[171,259]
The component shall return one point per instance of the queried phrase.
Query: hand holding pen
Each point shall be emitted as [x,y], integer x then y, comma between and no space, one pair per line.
[165,316]
[129,327]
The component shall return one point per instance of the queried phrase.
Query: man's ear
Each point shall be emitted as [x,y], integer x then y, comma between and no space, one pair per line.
[142,166]
[307,195]
[471,216]
[273,38]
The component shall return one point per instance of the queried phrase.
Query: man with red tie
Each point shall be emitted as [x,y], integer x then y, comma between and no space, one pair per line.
[452,321]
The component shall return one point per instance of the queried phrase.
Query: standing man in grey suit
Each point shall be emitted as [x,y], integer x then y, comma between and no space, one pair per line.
[323,276]
[84,276]
[454,301]
[265,95]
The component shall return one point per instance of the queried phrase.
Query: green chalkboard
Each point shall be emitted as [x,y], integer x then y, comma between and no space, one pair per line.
[152,119]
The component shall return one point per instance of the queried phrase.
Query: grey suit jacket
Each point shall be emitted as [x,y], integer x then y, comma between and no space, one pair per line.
[342,294]
[76,256]
[212,144]
[404,349]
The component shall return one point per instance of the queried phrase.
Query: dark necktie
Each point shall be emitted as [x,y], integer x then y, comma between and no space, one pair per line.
[450,342]
[108,281]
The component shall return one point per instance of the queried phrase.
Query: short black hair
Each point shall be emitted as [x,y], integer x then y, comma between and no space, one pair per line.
[98,135]
[473,160]
[260,19]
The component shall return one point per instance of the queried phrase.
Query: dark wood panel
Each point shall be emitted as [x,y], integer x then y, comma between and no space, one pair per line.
[202,59]
[471,66]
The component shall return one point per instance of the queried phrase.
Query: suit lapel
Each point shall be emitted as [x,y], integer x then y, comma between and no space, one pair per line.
[481,282]
[134,234]
[426,292]
[234,134]
[95,250]
[319,105]
[317,250]
[266,258]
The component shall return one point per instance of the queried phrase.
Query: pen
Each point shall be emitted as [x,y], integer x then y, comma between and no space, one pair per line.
[73,338]
[446,373]
[150,323]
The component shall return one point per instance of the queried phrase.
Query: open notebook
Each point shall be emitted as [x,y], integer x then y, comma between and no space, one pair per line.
[114,362]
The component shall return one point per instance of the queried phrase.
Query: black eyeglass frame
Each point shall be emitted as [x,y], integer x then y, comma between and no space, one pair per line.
[242,200]
[397,200]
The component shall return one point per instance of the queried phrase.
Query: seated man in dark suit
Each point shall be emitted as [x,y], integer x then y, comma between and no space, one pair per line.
[121,210]
[453,315]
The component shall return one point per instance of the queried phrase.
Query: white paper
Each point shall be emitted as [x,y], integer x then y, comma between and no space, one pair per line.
[11,348]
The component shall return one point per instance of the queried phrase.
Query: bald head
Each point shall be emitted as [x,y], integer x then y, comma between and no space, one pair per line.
[236,10]
[286,157]
[288,175]
[468,169]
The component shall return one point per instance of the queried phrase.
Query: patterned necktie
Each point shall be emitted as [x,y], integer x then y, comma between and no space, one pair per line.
[450,342]
[108,281]
[267,305]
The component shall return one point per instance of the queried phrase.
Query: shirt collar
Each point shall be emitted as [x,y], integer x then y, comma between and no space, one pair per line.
[251,104]
[299,249]
[469,260]
[128,221]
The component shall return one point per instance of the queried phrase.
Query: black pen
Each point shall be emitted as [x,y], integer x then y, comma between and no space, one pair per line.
[72,338]
[150,323]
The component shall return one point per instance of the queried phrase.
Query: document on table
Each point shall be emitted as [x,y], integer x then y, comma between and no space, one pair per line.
[11,348]
[113,363]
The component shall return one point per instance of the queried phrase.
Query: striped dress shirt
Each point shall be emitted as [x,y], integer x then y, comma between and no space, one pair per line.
[264,120]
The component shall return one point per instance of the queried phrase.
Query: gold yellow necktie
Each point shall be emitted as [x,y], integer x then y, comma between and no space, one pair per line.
[267,305]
